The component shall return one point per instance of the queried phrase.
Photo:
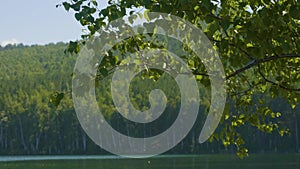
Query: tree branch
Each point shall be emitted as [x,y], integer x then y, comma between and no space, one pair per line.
[277,84]
[259,61]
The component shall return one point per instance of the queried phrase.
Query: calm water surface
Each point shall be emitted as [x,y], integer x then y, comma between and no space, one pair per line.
[159,162]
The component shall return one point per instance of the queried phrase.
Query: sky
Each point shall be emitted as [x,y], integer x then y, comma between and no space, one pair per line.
[37,22]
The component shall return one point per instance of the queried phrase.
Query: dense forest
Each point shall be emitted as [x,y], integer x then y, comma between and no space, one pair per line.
[32,123]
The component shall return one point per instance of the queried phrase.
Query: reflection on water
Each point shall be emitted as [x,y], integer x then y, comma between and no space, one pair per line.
[158,162]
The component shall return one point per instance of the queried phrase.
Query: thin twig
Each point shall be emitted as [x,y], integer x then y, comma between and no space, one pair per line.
[276,84]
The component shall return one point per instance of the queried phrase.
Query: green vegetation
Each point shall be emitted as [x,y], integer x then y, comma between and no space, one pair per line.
[258,42]
[30,123]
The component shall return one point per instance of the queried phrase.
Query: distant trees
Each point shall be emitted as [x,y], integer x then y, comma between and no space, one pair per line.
[29,75]
[11,46]
[30,124]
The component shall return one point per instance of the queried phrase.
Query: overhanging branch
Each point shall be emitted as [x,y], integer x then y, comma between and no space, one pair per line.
[259,61]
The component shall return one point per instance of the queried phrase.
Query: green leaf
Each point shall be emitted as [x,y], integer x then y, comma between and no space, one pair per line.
[73,47]
[146,15]
[66,6]
[92,10]
[92,29]
[78,16]
[95,2]
[76,6]
[104,12]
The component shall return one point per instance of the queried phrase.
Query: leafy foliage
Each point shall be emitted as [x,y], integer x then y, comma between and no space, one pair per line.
[258,42]
[30,124]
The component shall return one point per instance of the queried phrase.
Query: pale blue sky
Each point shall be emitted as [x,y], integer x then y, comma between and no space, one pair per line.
[37,22]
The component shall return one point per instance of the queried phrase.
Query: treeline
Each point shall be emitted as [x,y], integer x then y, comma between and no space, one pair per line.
[30,124]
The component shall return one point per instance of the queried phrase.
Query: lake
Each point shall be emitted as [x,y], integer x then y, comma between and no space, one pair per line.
[287,161]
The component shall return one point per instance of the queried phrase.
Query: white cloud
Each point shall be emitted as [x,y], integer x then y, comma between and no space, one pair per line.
[11,41]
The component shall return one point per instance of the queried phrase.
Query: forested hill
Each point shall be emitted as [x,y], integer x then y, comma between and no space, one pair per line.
[30,124]
[29,75]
